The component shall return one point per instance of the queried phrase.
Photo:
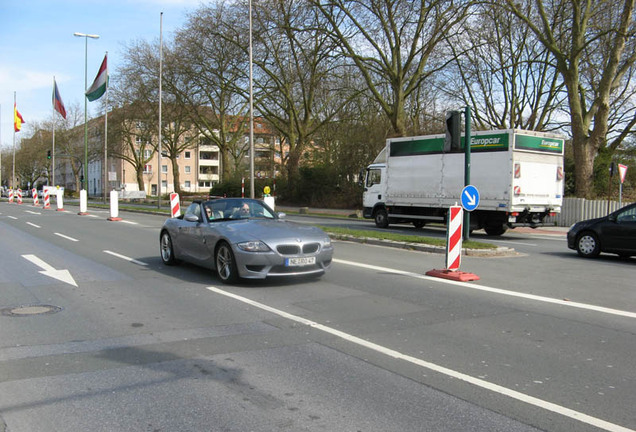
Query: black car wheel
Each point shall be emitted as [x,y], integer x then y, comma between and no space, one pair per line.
[381,218]
[167,251]
[226,264]
[418,224]
[587,245]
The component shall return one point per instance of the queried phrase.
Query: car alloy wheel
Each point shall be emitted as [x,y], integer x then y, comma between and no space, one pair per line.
[587,245]
[226,264]
[167,251]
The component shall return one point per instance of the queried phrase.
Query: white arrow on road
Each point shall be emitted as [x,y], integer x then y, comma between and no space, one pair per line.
[471,198]
[47,270]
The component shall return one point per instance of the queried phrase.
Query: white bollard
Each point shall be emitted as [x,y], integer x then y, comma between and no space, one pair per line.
[83,202]
[269,200]
[60,200]
[114,206]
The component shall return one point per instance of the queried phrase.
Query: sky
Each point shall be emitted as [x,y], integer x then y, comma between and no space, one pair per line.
[37,44]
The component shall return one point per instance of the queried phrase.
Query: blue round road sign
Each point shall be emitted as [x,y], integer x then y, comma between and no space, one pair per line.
[470,198]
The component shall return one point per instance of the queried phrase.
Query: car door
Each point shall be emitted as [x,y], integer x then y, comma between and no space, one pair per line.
[193,239]
[620,231]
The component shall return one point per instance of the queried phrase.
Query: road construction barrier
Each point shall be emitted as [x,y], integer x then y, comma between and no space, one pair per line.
[175,209]
[10,195]
[454,249]
[34,193]
[19,196]
[47,199]
[114,206]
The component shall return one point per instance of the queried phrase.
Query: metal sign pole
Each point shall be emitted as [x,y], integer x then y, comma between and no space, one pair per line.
[467,141]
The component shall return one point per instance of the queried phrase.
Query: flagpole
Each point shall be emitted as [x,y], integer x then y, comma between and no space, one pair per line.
[105,182]
[53,144]
[15,101]
[160,73]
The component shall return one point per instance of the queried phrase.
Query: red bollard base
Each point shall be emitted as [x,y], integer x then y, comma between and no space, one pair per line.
[114,218]
[458,276]
[83,213]
[60,209]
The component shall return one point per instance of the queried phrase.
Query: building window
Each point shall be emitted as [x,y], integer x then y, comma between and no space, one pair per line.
[164,169]
[164,185]
[147,154]
[187,155]
[187,184]
[147,169]
[187,169]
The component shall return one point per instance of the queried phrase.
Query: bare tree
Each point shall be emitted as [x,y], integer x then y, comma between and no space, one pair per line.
[208,74]
[394,44]
[593,44]
[501,71]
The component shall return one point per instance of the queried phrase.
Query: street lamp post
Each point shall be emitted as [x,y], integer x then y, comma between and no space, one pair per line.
[85,36]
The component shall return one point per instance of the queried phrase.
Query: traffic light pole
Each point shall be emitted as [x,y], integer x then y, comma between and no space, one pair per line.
[467,141]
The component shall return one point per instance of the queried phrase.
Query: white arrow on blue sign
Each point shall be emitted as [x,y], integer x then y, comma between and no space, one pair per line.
[470,198]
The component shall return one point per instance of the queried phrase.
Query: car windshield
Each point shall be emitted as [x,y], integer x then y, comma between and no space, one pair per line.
[234,208]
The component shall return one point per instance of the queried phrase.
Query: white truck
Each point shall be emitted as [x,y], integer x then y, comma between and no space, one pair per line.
[519,175]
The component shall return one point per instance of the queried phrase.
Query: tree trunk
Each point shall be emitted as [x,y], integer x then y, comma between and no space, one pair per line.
[140,179]
[175,176]
[584,153]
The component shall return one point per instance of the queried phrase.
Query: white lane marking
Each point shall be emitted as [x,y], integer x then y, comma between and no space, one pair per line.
[469,285]
[50,271]
[32,212]
[66,237]
[567,412]
[91,215]
[33,225]
[124,257]
[12,217]
[129,222]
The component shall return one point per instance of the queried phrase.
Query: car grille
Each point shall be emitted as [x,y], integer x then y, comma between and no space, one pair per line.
[292,249]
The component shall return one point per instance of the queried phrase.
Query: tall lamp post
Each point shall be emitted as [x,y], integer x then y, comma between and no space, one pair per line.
[85,36]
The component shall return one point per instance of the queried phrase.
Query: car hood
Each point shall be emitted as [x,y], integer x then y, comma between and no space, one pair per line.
[272,231]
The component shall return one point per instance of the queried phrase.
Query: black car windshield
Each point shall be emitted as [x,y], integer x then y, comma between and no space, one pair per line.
[237,208]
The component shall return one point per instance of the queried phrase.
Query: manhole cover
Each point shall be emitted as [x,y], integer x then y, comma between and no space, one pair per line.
[30,310]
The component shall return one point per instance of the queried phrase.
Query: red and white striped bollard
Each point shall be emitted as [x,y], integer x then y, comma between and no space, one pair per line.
[175,209]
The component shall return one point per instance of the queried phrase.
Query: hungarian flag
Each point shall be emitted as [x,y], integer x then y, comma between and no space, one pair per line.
[98,88]
[58,105]
[17,119]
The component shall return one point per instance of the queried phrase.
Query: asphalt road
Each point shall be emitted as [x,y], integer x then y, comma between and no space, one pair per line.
[543,341]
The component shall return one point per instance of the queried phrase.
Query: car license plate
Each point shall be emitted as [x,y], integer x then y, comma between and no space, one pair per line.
[301,261]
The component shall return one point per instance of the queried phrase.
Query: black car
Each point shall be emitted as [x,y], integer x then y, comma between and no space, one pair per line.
[614,233]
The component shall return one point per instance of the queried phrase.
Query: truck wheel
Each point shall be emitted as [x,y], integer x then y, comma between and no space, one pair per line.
[381,218]
[496,230]
[418,224]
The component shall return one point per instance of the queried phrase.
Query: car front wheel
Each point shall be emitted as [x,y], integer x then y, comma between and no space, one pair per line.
[226,264]
[587,245]
[167,251]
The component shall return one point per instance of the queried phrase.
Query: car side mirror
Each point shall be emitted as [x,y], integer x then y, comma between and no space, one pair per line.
[281,215]
[611,218]
[191,218]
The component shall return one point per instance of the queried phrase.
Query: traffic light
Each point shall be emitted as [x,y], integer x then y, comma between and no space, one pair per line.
[48,154]
[452,141]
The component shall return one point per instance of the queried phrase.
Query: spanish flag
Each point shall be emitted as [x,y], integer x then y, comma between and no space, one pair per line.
[17,119]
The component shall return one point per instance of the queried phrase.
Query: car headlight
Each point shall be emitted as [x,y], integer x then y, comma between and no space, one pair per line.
[253,246]
[327,243]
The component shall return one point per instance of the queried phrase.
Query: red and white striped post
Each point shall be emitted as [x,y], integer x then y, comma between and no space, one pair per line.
[10,195]
[175,209]
[34,193]
[243,187]
[454,249]
[19,196]
[47,199]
